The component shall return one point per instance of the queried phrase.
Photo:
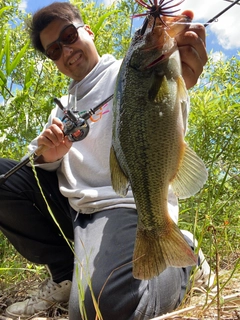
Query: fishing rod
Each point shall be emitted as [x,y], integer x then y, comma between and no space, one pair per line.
[76,128]
[231,1]
[222,12]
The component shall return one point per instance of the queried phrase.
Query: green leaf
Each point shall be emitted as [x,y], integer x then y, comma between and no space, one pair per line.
[2,76]
[18,58]
[28,78]
[5,9]
[102,20]
[7,53]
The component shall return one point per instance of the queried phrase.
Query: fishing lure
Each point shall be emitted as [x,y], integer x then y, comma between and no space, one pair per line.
[157,10]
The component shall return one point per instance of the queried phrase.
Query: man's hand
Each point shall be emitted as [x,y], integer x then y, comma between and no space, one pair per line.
[53,138]
[192,49]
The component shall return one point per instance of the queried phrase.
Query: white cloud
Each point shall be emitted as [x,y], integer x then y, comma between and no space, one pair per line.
[109,2]
[227,31]
[205,9]
[23,5]
[218,55]
[226,28]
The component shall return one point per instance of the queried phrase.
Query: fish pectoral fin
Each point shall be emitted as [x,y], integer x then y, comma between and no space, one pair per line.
[182,96]
[158,88]
[191,176]
[120,182]
[154,252]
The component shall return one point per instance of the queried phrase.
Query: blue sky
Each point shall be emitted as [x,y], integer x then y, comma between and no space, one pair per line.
[222,35]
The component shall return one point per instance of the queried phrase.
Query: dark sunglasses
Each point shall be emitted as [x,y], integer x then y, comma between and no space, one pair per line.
[68,35]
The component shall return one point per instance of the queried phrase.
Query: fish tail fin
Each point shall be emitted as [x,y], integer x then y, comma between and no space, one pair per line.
[154,252]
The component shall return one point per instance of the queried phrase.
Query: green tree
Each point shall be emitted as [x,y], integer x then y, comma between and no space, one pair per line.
[26,85]
[214,133]
[29,82]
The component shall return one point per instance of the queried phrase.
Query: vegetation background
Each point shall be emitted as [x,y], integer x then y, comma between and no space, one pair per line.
[28,83]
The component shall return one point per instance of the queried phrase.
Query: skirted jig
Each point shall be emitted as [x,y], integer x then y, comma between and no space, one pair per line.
[157,10]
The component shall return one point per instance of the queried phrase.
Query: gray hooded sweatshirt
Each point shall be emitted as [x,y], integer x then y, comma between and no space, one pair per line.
[84,172]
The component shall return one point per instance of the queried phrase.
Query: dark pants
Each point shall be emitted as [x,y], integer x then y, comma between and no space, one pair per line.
[26,222]
[103,244]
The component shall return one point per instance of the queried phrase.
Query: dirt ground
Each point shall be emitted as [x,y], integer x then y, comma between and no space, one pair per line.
[221,301]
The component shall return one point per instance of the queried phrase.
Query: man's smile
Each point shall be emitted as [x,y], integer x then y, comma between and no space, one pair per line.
[75,58]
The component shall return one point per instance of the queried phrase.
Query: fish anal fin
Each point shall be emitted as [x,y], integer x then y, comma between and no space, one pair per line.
[120,182]
[191,175]
[154,252]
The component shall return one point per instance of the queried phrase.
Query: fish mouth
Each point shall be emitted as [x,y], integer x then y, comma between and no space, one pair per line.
[158,60]
[162,46]
[161,58]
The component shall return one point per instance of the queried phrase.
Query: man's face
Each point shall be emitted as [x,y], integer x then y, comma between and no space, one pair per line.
[77,59]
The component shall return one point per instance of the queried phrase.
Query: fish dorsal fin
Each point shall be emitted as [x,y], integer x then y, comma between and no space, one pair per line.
[120,182]
[191,176]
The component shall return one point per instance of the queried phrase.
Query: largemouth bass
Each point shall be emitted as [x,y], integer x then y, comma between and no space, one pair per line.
[148,149]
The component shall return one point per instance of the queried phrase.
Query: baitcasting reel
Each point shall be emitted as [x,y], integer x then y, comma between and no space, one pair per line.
[75,127]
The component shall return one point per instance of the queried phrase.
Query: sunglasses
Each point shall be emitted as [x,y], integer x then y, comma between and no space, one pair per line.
[68,35]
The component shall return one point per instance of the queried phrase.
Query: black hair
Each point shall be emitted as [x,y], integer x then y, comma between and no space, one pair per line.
[42,18]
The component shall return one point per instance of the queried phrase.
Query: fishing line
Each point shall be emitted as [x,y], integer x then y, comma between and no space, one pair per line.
[195,23]
[220,13]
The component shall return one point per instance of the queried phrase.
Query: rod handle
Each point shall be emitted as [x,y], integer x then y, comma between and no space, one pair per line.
[40,150]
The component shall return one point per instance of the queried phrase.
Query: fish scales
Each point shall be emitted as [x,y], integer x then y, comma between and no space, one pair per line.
[148,149]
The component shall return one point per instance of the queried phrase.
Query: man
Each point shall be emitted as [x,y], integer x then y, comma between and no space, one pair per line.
[75,179]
